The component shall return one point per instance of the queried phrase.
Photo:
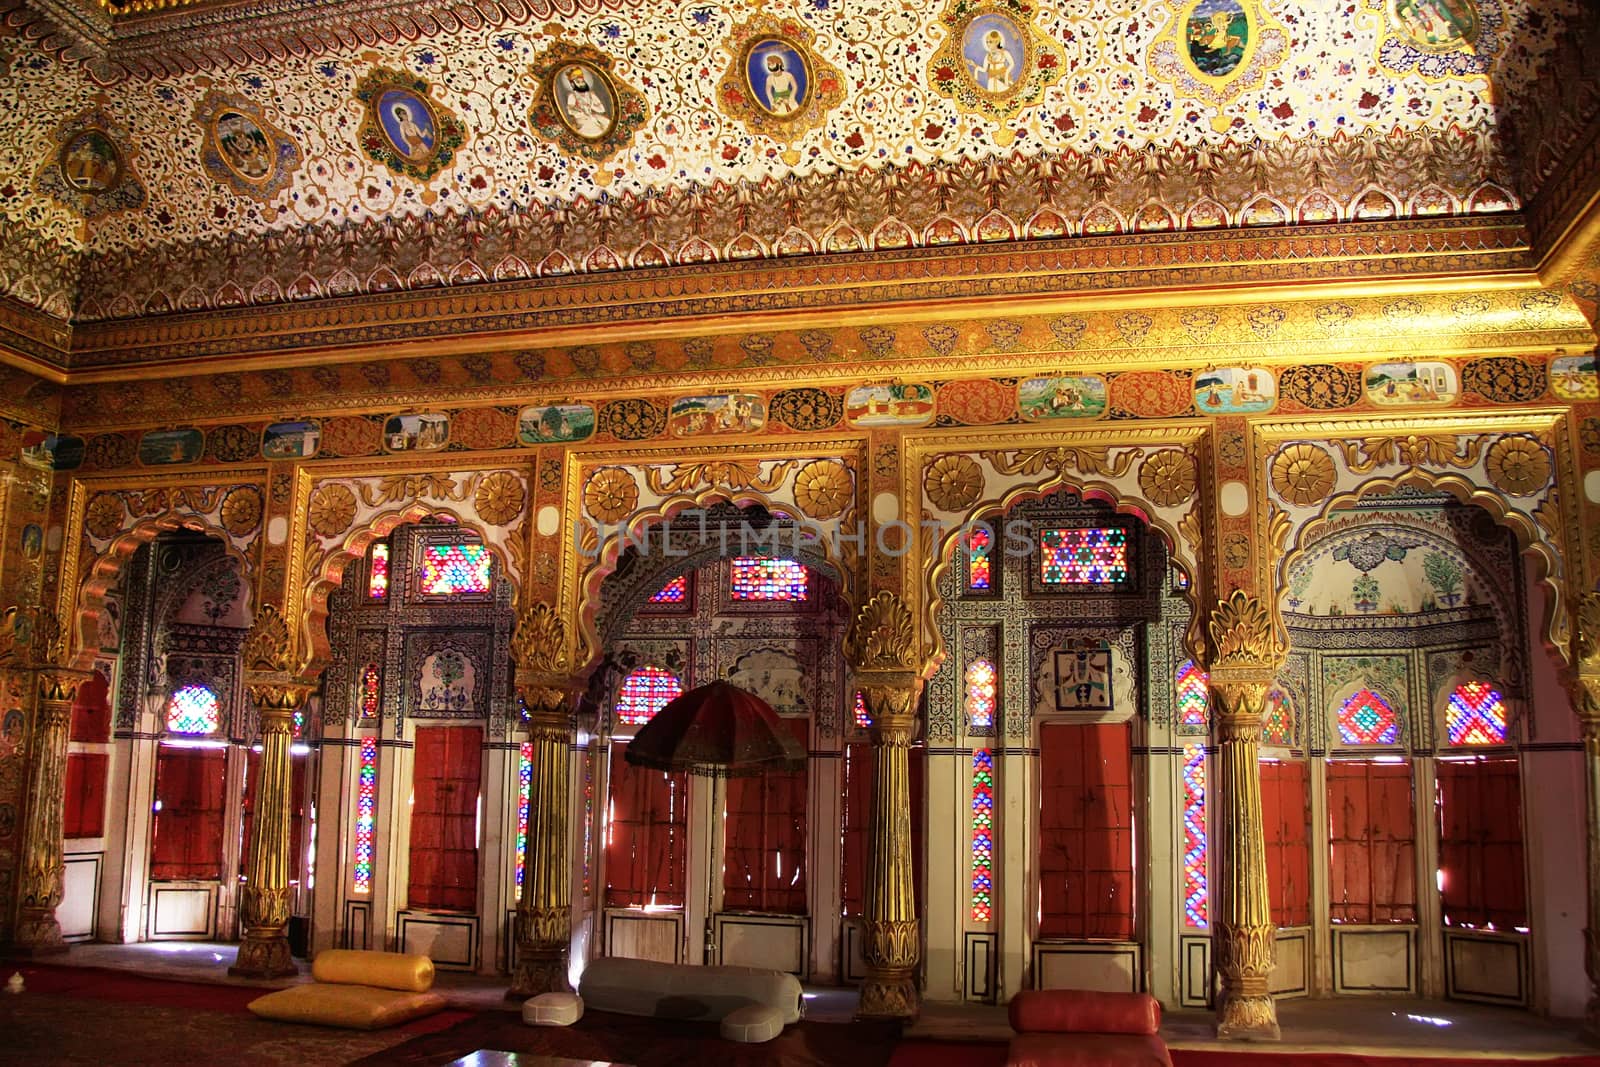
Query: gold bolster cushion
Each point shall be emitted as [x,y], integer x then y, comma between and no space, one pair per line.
[407,972]
[353,1007]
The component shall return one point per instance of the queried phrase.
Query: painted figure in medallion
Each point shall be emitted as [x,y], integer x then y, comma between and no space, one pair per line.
[992,47]
[405,119]
[778,76]
[1435,25]
[1218,32]
[584,101]
[91,163]
[244,147]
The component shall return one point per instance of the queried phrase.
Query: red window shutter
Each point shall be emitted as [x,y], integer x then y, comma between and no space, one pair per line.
[447,766]
[297,812]
[1284,817]
[858,771]
[1480,844]
[1086,831]
[91,710]
[764,843]
[1372,841]
[85,814]
[646,837]
[190,786]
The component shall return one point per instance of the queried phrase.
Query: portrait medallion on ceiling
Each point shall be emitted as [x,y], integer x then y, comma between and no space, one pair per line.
[404,128]
[241,149]
[581,105]
[776,85]
[1438,39]
[91,169]
[1211,51]
[993,63]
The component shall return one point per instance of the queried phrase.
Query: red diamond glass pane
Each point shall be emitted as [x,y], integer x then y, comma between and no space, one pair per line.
[645,692]
[1365,718]
[193,710]
[1476,715]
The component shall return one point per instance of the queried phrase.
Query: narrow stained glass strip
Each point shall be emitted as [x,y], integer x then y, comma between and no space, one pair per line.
[378,572]
[524,792]
[366,812]
[1195,909]
[979,543]
[980,694]
[982,835]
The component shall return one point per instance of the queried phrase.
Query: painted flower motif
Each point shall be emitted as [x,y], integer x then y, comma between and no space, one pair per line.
[611,494]
[822,489]
[104,517]
[1302,473]
[499,498]
[953,482]
[1167,477]
[241,510]
[1518,464]
[332,509]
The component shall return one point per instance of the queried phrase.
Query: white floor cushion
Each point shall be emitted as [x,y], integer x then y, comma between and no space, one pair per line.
[753,1024]
[552,1009]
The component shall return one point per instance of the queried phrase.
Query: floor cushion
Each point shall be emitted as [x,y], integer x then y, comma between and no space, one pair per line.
[681,991]
[354,1007]
[552,1009]
[407,971]
[1087,1050]
[753,1024]
[1083,1011]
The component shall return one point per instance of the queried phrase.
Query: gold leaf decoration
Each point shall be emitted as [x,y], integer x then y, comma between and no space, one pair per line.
[539,643]
[499,498]
[332,510]
[611,494]
[1060,459]
[266,647]
[822,489]
[881,636]
[1302,473]
[1242,632]
[1518,464]
[1589,632]
[104,516]
[1167,477]
[398,488]
[953,482]
[241,510]
[717,474]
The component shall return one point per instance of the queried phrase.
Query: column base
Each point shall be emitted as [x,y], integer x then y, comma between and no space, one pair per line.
[264,958]
[889,997]
[37,934]
[540,970]
[1248,1018]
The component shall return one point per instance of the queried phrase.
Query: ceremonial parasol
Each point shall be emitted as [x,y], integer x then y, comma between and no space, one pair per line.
[716,731]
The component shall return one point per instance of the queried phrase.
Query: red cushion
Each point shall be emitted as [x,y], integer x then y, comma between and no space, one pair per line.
[1083,1011]
[1087,1050]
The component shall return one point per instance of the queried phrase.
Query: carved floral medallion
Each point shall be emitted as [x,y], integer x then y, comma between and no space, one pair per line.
[1302,473]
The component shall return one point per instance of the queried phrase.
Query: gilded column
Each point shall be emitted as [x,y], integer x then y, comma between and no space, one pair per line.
[881,648]
[39,887]
[1586,699]
[544,911]
[264,898]
[1248,653]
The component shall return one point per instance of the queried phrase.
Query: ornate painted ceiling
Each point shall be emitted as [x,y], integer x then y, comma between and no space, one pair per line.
[908,126]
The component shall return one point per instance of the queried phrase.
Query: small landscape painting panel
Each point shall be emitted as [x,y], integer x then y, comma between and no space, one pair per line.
[1571,378]
[1411,383]
[291,440]
[696,416]
[1235,390]
[416,433]
[554,423]
[160,447]
[889,405]
[1077,397]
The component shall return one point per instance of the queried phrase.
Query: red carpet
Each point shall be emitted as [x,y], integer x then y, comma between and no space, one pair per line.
[963,1054]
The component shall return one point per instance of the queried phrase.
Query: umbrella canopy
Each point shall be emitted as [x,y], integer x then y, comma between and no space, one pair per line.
[717,731]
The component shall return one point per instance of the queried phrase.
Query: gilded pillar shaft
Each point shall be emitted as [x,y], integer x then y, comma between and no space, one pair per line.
[1244,940]
[1589,715]
[264,897]
[544,912]
[39,888]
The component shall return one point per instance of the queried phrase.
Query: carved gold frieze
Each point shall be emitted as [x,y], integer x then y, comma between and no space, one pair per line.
[717,474]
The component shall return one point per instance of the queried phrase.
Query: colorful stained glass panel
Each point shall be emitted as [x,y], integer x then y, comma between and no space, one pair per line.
[454,570]
[193,710]
[371,691]
[1279,727]
[1365,718]
[674,592]
[366,814]
[378,572]
[1476,715]
[979,543]
[980,694]
[982,835]
[645,692]
[863,719]
[1096,556]
[758,578]
[1193,696]
[524,794]
[1195,903]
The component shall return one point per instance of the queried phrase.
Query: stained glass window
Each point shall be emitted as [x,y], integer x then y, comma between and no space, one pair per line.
[982,834]
[674,592]
[1194,836]
[524,793]
[1084,557]
[863,719]
[979,543]
[1365,718]
[980,694]
[757,578]
[371,691]
[378,572]
[366,811]
[1476,715]
[193,710]
[1192,694]
[451,570]
[1279,727]
[645,692]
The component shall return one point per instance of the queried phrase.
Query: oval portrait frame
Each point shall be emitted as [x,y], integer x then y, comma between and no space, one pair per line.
[604,77]
[433,122]
[1391,15]
[1024,42]
[1252,19]
[758,43]
[119,167]
[215,138]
